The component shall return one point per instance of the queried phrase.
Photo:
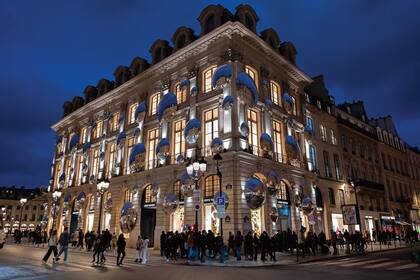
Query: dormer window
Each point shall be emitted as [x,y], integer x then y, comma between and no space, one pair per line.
[209,24]
[249,23]
[180,43]
[158,55]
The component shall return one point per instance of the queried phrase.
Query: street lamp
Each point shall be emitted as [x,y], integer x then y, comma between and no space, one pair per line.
[102,187]
[3,216]
[22,202]
[196,170]
[217,157]
[56,196]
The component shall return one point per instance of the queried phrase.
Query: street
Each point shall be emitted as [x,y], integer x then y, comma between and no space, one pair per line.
[24,262]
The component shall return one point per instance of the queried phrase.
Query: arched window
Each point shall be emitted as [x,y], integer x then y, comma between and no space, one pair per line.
[178,191]
[207,76]
[211,186]
[282,193]
[181,95]
[275,93]
[149,197]
[132,113]
[209,23]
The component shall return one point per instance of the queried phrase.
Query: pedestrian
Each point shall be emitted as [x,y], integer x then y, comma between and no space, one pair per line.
[238,245]
[145,250]
[248,246]
[114,244]
[255,246]
[80,239]
[64,245]
[139,245]
[162,244]
[121,249]
[231,244]
[52,247]
[96,249]
[334,242]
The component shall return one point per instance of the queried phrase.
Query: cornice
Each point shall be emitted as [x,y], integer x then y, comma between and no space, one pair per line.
[227,30]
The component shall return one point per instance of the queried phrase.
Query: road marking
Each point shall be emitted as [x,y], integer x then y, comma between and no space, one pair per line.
[392,262]
[406,266]
[363,262]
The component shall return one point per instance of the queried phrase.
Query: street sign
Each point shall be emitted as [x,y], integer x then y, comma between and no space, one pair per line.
[220,200]
[221,211]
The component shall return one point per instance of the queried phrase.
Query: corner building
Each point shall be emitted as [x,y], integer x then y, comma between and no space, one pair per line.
[228,89]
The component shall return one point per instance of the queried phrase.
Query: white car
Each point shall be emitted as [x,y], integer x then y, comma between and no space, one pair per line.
[2,238]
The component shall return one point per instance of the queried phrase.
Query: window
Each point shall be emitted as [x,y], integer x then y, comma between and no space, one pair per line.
[111,159]
[309,124]
[253,130]
[127,196]
[211,127]
[80,170]
[132,113]
[152,141]
[83,134]
[282,191]
[67,168]
[384,161]
[312,150]
[294,109]
[154,103]
[337,167]
[331,196]
[207,76]
[211,186]
[333,138]
[327,164]
[179,140]
[114,121]
[149,197]
[341,197]
[178,191]
[95,163]
[275,93]
[97,131]
[181,95]
[131,142]
[252,73]
[277,141]
[323,133]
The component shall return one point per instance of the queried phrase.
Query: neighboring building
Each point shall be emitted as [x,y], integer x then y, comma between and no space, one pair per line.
[362,164]
[277,128]
[414,169]
[29,215]
[396,171]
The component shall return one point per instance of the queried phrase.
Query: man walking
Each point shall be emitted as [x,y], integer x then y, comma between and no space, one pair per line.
[64,245]
[238,245]
[52,247]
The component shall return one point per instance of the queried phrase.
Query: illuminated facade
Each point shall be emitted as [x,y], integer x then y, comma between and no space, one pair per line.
[229,84]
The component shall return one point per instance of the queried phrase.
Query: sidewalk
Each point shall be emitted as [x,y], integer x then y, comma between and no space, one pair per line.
[282,258]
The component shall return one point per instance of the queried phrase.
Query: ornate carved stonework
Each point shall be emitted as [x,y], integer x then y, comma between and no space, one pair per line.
[231,55]
[193,72]
[166,84]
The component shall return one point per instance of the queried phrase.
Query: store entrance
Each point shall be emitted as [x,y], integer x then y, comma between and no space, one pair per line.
[148,216]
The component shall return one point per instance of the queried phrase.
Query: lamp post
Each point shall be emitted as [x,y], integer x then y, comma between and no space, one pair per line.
[22,202]
[102,187]
[196,170]
[56,196]
[217,157]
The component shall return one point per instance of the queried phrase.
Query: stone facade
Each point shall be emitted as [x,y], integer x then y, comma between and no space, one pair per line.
[263,125]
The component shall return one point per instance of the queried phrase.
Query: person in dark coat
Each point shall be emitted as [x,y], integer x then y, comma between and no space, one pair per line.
[238,241]
[248,246]
[231,244]
[255,246]
[120,249]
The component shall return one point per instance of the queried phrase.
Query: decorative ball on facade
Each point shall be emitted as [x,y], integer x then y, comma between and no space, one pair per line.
[254,193]
[266,143]
[170,203]
[180,159]
[140,112]
[244,129]
[227,102]
[162,150]
[217,145]
[288,103]
[128,218]
[167,107]
[192,131]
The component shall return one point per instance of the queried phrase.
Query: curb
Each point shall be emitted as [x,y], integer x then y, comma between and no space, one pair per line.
[350,256]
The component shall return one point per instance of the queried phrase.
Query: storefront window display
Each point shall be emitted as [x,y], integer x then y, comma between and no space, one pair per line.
[178,219]
[337,223]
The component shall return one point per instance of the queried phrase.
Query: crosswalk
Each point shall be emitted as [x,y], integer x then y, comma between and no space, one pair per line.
[32,270]
[368,263]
